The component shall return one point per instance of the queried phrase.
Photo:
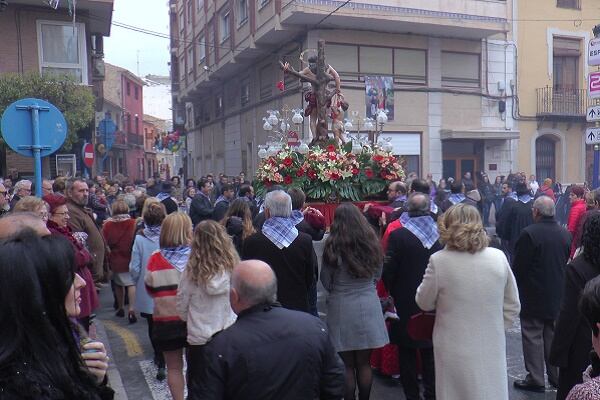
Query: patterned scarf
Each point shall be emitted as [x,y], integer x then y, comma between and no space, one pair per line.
[282,231]
[152,232]
[177,256]
[525,198]
[222,198]
[162,196]
[456,198]
[424,228]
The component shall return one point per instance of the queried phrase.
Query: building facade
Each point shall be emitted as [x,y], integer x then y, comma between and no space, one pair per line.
[551,85]
[123,99]
[447,67]
[38,38]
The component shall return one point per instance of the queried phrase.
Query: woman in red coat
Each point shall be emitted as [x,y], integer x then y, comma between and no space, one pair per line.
[58,219]
[578,209]
[119,232]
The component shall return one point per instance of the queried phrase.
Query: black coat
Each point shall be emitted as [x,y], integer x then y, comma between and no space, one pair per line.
[514,217]
[220,210]
[405,263]
[572,335]
[315,234]
[200,209]
[295,266]
[271,353]
[541,254]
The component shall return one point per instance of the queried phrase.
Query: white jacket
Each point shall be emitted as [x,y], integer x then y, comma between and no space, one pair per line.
[206,308]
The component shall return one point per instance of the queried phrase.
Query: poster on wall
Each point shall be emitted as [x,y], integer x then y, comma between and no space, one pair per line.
[379,95]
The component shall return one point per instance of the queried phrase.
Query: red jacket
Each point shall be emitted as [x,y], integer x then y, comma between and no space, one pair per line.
[578,209]
[119,237]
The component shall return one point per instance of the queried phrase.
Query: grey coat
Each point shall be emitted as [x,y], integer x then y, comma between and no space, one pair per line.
[354,314]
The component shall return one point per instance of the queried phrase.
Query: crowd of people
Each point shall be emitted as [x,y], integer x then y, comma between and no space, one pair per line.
[228,283]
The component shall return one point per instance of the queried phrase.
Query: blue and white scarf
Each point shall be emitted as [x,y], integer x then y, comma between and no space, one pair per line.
[433,208]
[177,256]
[525,198]
[222,198]
[282,231]
[152,232]
[456,198]
[162,196]
[424,228]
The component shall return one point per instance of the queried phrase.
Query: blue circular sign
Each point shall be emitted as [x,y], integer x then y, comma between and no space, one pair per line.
[17,127]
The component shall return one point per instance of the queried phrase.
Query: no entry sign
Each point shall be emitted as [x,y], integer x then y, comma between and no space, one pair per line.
[87,153]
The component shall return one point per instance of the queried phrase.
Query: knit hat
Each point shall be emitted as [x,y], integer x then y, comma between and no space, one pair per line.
[54,201]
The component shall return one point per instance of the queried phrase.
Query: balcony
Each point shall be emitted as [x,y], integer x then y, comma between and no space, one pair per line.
[135,140]
[468,19]
[561,103]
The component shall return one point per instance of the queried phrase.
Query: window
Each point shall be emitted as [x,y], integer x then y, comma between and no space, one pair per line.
[135,93]
[460,69]
[224,27]
[376,60]
[219,106]
[190,60]
[190,13]
[201,50]
[128,88]
[245,91]
[545,157]
[344,59]
[181,23]
[242,12]
[200,6]
[137,125]
[566,53]
[410,65]
[128,118]
[266,82]
[181,69]
[62,50]
[575,4]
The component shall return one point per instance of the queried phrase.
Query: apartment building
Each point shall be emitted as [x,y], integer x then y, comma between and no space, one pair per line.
[37,37]
[551,87]
[449,64]
[123,100]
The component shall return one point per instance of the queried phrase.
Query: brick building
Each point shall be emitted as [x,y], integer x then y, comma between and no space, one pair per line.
[35,37]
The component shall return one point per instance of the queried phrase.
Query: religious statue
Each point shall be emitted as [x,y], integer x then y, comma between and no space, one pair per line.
[320,99]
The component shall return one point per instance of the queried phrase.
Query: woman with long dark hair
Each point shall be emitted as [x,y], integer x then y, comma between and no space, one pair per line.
[41,357]
[238,222]
[572,342]
[352,262]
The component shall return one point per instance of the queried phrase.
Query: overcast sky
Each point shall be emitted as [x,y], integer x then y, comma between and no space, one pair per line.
[123,45]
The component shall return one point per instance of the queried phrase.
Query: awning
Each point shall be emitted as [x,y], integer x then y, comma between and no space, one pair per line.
[497,134]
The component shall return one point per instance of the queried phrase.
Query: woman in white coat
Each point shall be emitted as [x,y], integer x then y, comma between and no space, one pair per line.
[473,291]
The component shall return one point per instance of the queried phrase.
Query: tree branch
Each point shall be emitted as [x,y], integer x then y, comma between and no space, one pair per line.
[297,74]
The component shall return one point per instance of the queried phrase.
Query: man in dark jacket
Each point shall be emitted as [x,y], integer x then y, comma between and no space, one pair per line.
[164,196]
[222,203]
[246,193]
[201,207]
[289,252]
[515,216]
[572,342]
[409,249]
[541,254]
[22,189]
[269,352]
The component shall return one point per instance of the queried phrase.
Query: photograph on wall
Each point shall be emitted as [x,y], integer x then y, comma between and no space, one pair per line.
[379,95]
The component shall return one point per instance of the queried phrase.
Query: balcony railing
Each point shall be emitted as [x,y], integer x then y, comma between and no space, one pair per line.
[570,103]
[135,139]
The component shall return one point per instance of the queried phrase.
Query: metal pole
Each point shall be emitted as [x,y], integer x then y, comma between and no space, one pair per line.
[595,180]
[37,149]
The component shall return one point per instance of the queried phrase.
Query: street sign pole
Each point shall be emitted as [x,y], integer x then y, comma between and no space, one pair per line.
[594,56]
[36,147]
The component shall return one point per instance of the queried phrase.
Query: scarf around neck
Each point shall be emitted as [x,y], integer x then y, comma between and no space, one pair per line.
[525,198]
[152,232]
[177,256]
[282,231]
[162,196]
[456,198]
[120,217]
[424,228]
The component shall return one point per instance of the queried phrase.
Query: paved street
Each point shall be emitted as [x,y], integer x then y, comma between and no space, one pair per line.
[132,359]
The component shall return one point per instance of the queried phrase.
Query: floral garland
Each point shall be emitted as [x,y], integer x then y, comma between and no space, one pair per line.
[331,173]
